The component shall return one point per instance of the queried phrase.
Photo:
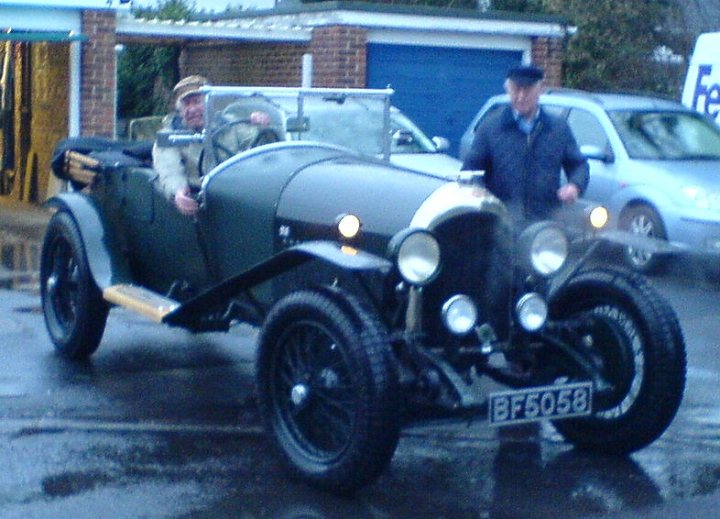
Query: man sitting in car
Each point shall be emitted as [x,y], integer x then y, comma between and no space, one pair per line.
[179,167]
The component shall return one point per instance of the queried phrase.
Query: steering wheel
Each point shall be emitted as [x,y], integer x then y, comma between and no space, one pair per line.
[265,136]
[223,152]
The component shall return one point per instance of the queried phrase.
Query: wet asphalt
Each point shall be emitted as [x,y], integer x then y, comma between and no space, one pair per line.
[163,424]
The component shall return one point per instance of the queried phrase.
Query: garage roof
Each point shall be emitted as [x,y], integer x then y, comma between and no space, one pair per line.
[295,23]
[374,15]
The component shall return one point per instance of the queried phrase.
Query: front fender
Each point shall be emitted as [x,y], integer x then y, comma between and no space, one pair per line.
[102,248]
[639,194]
[346,258]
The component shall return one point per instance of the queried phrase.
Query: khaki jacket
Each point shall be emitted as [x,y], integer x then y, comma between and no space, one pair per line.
[178,167]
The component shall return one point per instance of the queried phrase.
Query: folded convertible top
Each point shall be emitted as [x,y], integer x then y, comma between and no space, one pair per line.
[104,153]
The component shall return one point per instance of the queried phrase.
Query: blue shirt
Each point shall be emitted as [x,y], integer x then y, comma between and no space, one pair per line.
[526,125]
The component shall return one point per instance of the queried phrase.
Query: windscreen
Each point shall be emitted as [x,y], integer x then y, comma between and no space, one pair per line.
[667,135]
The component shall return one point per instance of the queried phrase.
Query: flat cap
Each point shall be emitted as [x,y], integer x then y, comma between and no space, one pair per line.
[188,86]
[525,75]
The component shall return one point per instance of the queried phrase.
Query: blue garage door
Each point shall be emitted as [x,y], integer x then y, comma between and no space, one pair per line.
[439,88]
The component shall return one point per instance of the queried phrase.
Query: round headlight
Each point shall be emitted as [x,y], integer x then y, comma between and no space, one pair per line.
[548,250]
[348,225]
[459,314]
[417,255]
[531,311]
[599,217]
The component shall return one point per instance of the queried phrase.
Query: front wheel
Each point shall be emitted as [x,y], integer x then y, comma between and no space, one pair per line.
[634,342]
[75,312]
[327,386]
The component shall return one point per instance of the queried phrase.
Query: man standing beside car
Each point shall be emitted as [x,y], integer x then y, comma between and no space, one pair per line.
[523,150]
[178,167]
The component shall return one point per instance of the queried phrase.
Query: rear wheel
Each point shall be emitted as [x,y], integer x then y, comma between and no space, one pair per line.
[632,338]
[644,221]
[75,312]
[328,389]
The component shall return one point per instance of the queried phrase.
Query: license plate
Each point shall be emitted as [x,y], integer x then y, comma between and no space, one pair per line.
[540,403]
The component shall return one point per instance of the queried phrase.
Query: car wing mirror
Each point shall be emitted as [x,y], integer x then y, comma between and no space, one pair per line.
[175,138]
[597,153]
[297,124]
[441,143]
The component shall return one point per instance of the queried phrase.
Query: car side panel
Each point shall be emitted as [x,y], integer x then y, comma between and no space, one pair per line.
[383,197]
[240,198]
[163,245]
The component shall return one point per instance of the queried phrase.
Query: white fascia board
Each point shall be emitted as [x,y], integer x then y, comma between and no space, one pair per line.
[210,30]
[61,4]
[448,39]
[34,19]
[451,24]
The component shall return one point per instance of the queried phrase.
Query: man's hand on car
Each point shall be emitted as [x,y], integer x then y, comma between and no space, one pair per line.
[185,202]
[568,193]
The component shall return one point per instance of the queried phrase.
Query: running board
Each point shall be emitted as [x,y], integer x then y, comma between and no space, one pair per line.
[140,300]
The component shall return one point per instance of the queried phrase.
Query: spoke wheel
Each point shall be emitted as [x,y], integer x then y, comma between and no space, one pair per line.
[75,313]
[314,390]
[633,340]
[613,339]
[328,390]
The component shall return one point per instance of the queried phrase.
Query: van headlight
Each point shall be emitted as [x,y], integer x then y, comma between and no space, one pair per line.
[543,246]
[417,256]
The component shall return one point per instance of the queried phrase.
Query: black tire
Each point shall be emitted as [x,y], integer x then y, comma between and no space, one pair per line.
[644,221]
[327,387]
[75,312]
[637,344]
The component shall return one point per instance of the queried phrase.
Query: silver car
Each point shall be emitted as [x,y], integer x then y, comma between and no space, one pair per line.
[654,164]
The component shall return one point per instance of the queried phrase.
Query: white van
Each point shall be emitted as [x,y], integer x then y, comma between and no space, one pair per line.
[702,84]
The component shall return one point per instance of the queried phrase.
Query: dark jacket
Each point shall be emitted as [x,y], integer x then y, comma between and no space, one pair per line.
[524,171]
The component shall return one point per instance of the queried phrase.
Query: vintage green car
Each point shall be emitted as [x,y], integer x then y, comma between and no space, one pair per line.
[381,293]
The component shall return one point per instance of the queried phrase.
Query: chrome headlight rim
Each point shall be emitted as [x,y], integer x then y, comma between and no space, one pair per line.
[459,314]
[531,311]
[543,248]
[416,253]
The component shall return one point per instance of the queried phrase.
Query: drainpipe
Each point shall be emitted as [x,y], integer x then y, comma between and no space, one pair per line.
[74,108]
[307,70]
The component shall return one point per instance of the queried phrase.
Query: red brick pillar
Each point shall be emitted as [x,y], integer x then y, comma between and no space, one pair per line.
[548,53]
[339,56]
[97,83]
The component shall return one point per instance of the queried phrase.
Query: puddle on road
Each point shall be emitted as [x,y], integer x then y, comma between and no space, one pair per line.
[19,261]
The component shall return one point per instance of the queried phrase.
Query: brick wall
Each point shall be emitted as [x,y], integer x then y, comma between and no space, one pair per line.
[245,64]
[339,56]
[339,60]
[97,87]
[548,54]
